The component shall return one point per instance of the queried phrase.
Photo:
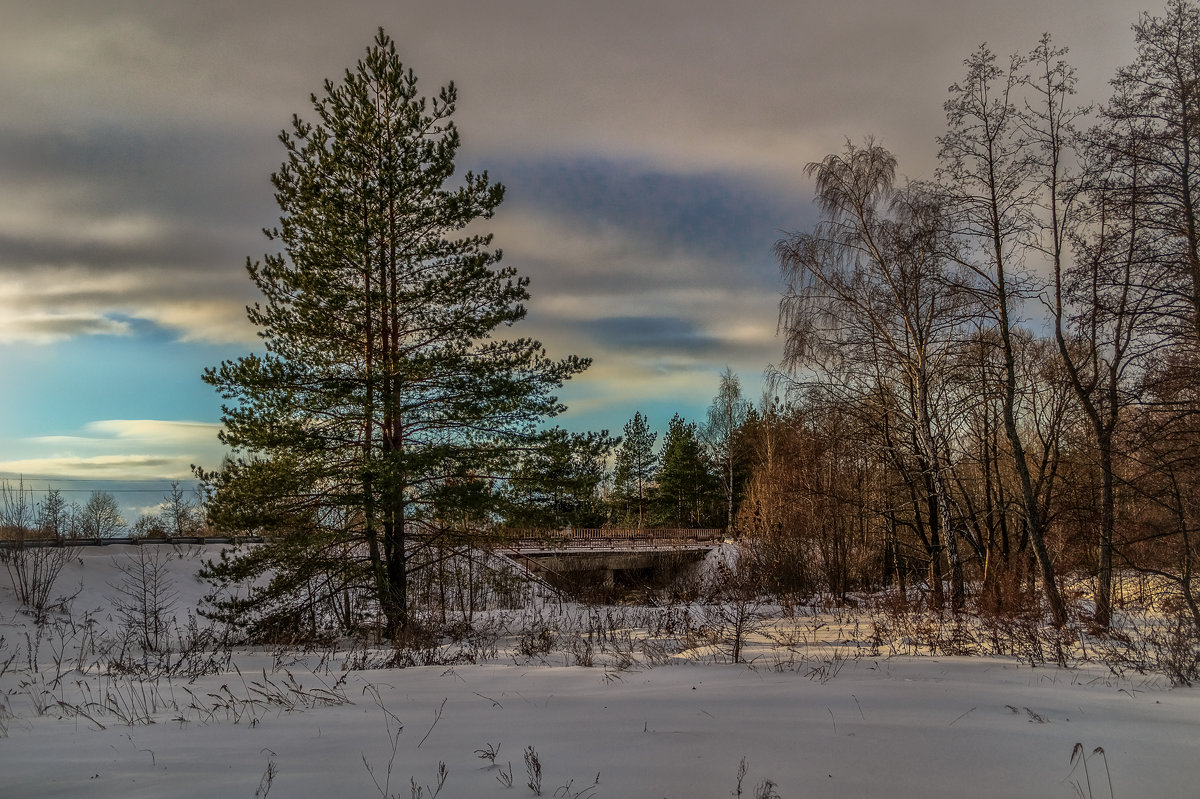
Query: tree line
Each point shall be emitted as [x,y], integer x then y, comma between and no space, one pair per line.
[992,375]
[26,514]
[990,379]
[688,480]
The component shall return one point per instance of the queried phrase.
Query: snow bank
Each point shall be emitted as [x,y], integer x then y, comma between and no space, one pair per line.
[819,721]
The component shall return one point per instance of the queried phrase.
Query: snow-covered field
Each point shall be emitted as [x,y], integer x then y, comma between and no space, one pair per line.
[815,718]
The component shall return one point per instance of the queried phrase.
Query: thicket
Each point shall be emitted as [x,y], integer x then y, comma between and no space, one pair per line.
[991,378]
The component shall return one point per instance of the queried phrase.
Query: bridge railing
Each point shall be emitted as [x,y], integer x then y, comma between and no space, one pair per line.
[91,541]
[618,538]
[578,538]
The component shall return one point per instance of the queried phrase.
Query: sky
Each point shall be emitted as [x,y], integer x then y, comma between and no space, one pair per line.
[653,153]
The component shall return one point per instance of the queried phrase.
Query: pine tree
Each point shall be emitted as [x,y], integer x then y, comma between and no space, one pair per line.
[558,485]
[634,470]
[382,411]
[687,491]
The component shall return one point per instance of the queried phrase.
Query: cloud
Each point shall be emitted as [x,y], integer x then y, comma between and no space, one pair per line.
[653,153]
[593,285]
[150,510]
[45,327]
[118,449]
[651,332]
[53,303]
[567,257]
[607,395]
[115,222]
[111,467]
[139,139]
[156,430]
[725,215]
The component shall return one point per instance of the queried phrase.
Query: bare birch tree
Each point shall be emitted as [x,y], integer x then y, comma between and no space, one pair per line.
[874,309]
[725,418]
[988,179]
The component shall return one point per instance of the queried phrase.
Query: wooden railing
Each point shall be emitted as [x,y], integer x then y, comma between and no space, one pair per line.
[597,538]
[136,540]
[618,538]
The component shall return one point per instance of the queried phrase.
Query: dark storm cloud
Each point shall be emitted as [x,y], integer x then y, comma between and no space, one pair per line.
[720,215]
[649,332]
[606,240]
[106,221]
[67,326]
[653,151]
[190,179]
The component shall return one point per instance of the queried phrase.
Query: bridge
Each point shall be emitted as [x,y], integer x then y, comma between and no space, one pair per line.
[600,539]
[567,558]
[35,541]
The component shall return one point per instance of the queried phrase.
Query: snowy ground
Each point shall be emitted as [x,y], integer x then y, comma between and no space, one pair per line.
[824,723]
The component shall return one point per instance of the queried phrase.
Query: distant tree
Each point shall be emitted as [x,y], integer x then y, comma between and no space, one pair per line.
[633,473]
[720,433]
[687,491]
[35,569]
[180,513]
[149,525]
[18,511]
[55,515]
[807,519]
[384,410]
[100,517]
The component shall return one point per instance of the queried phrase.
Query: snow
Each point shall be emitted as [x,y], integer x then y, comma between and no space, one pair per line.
[818,718]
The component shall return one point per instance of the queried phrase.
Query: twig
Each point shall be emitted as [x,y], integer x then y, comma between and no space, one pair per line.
[960,718]
[436,718]
[488,698]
